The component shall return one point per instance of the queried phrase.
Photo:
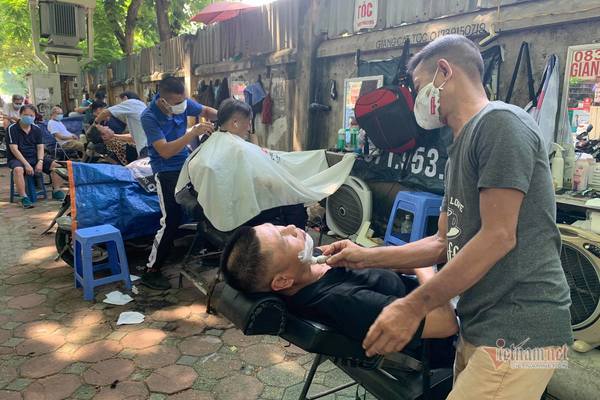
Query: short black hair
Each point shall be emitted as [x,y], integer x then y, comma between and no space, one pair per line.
[243,262]
[93,134]
[96,105]
[17,97]
[229,107]
[129,94]
[27,107]
[457,49]
[171,85]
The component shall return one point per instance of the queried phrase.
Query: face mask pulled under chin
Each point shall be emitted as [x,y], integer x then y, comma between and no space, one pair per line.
[427,106]
[179,108]
[305,256]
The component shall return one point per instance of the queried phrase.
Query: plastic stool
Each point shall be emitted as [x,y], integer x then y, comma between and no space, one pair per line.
[422,205]
[85,239]
[30,187]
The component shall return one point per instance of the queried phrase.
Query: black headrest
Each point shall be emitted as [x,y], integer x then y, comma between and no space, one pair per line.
[260,314]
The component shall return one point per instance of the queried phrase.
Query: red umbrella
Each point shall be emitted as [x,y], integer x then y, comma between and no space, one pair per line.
[221,11]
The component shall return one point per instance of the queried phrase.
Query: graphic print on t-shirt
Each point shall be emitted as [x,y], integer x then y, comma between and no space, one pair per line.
[455,210]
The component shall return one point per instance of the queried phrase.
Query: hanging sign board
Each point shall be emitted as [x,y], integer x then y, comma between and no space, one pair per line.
[581,95]
[237,89]
[365,14]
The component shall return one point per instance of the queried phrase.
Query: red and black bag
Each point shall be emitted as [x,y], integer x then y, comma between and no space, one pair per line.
[386,114]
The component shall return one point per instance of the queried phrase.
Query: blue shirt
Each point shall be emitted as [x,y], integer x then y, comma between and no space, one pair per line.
[159,126]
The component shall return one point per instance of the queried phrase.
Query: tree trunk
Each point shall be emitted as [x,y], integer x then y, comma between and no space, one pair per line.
[130,22]
[308,42]
[110,8]
[124,36]
[162,19]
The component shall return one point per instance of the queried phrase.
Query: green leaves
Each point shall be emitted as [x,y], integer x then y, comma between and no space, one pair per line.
[109,23]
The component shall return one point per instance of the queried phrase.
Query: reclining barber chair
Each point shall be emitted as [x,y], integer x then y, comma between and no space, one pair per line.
[410,377]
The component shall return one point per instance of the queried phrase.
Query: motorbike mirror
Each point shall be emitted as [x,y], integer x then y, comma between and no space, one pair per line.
[582,136]
[589,128]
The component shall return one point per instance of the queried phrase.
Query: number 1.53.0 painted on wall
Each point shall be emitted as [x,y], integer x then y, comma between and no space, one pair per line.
[423,162]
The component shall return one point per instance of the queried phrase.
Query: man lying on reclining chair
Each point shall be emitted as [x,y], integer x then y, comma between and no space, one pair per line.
[269,258]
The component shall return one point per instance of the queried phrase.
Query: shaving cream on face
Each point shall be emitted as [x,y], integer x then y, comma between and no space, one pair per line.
[306,255]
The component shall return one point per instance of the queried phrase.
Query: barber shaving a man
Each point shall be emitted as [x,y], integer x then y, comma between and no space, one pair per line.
[502,250]
[165,125]
[280,259]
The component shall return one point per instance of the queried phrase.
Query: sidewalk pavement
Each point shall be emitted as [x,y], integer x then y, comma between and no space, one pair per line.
[54,345]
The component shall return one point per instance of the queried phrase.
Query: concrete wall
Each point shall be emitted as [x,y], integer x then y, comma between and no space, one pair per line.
[542,42]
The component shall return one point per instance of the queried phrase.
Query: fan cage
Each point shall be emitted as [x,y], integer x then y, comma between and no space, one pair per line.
[583,281]
[346,210]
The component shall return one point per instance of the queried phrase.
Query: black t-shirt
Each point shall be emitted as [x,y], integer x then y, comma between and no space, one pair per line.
[349,300]
[26,142]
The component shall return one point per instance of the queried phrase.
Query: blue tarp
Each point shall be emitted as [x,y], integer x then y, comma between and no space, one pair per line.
[109,194]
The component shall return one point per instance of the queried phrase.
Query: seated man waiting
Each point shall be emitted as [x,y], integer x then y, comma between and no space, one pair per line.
[266,258]
[26,155]
[66,139]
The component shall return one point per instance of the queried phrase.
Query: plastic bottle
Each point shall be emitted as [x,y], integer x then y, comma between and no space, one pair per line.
[580,176]
[354,138]
[341,139]
[569,165]
[406,225]
[347,136]
[558,167]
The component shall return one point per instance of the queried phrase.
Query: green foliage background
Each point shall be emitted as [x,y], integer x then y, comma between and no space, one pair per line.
[17,50]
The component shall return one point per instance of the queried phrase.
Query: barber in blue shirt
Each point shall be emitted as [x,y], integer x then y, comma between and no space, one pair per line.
[165,125]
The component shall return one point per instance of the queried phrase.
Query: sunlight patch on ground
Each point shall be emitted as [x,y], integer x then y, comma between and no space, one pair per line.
[38,255]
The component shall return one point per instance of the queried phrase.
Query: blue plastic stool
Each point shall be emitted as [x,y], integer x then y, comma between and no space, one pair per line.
[30,187]
[422,205]
[85,239]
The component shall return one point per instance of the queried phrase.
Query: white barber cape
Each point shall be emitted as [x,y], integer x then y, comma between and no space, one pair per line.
[236,180]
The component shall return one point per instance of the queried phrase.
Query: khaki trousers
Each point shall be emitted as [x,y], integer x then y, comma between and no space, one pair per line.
[477,376]
[74,145]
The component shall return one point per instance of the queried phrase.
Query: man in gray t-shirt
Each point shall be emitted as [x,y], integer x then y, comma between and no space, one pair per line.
[497,235]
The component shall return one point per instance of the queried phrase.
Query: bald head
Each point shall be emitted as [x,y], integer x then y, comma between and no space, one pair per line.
[456,49]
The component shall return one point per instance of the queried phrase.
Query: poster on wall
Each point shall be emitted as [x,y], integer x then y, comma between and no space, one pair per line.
[353,89]
[237,89]
[365,14]
[581,95]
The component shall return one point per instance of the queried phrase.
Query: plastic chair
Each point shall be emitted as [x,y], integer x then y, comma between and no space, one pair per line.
[422,206]
[31,183]
[74,124]
[85,240]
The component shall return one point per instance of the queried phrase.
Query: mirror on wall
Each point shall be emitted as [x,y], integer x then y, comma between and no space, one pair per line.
[581,89]
[353,89]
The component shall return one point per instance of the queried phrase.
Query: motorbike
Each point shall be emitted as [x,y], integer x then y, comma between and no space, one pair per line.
[132,207]
[584,145]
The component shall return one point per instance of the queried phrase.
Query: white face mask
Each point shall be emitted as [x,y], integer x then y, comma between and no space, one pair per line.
[306,255]
[427,105]
[179,108]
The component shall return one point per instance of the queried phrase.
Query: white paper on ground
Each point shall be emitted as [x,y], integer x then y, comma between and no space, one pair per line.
[135,290]
[117,298]
[130,318]
[134,277]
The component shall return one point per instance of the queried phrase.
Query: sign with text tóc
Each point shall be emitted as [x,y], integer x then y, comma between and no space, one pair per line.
[365,14]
